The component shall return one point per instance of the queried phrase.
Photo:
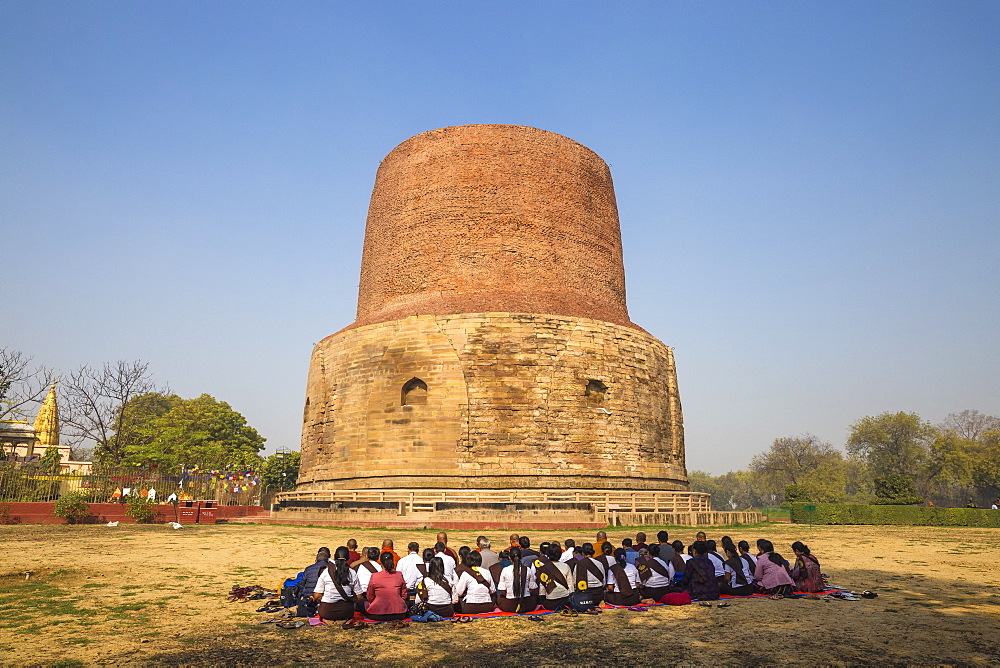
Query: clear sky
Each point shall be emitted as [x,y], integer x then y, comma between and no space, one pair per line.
[809,192]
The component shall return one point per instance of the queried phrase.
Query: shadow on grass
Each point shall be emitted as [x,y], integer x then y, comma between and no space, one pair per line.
[915,619]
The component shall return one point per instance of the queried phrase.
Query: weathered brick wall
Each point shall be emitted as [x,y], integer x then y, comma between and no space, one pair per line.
[484,218]
[506,406]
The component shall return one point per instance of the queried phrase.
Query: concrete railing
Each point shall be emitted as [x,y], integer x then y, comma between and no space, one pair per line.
[426,500]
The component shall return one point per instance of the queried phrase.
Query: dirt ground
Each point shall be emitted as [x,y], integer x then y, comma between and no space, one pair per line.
[150,595]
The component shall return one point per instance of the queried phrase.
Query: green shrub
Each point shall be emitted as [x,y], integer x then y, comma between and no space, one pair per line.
[895,489]
[143,511]
[852,513]
[73,507]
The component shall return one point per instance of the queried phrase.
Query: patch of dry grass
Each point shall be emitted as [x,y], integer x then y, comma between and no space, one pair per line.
[151,595]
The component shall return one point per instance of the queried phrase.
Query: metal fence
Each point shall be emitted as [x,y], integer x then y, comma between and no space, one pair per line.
[24,484]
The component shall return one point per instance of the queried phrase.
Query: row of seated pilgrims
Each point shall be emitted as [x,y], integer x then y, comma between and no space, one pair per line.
[381,584]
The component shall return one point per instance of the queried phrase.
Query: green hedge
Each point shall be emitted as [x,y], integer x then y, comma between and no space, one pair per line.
[851,513]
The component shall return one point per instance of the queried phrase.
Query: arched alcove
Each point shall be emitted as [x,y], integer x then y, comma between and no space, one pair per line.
[595,392]
[414,393]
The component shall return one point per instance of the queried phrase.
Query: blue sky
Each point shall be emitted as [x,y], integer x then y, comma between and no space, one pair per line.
[809,192]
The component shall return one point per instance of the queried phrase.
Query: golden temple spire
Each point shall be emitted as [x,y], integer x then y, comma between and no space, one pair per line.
[47,422]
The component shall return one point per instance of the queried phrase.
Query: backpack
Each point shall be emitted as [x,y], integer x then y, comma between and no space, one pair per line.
[291,589]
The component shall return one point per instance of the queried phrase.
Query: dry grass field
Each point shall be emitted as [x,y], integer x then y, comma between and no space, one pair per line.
[149,595]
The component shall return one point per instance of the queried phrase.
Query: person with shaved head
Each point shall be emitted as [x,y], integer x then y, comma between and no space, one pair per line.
[442,538]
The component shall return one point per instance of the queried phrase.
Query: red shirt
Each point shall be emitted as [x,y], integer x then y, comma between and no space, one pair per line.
[386,593]
[352,556]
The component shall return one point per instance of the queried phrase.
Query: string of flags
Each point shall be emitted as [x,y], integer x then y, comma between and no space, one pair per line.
[238,480]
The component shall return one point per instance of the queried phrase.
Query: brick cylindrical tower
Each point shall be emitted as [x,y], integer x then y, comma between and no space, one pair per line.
[492,218]
[492,347]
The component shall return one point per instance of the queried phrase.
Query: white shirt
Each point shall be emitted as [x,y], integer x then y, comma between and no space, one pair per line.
[436,594]
[752,558]
[608,560]
[631,572]
[364,575]
[449,565]
[566,555]
[718,563]
[469,590]
[506,582]
[408,567]
[558,591]
[326,586]
[657,580]
[731,574]
[592,580]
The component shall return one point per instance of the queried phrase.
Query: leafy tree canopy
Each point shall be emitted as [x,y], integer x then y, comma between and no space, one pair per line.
[281,470]
[812,469]
[168,431]
[891,442]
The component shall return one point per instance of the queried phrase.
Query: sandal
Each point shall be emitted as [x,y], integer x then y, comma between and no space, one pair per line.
[776,597]
[569,612]
[360,626]
[705,604]
[349,624]
[535,618]
[298,623]
[724,605]
[467,619]
[637,608]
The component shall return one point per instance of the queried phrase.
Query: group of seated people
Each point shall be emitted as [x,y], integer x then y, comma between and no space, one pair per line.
[383,585]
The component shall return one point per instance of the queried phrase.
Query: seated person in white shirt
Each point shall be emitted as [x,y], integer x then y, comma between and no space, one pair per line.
[739,574]
[408,567]
[653,572]
[436,589]
[623,581]
[717,560]
[337,589]
[516,589]
[591,571]
[366,567]
[607,554]
[676,564]
[474,588]
[446,559]
[745,553]
[568,552]
[555,579]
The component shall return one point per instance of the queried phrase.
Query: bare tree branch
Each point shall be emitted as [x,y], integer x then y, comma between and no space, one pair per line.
[20,384]
[95,405]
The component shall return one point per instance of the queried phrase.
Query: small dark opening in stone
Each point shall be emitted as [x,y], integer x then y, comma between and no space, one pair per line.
[414,393]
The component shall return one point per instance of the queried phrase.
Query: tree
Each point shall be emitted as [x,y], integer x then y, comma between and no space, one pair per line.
[168,431]
[892,443]
[895,489]
[96,406]
[734,490]
[969,424]
[811,469]
[962,457]
[50,461]
[20,383]
[281,470]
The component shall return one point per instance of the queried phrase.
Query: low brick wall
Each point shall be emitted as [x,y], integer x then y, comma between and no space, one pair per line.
[41,513]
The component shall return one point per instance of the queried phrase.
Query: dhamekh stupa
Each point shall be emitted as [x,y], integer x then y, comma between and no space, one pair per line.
[492,348]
